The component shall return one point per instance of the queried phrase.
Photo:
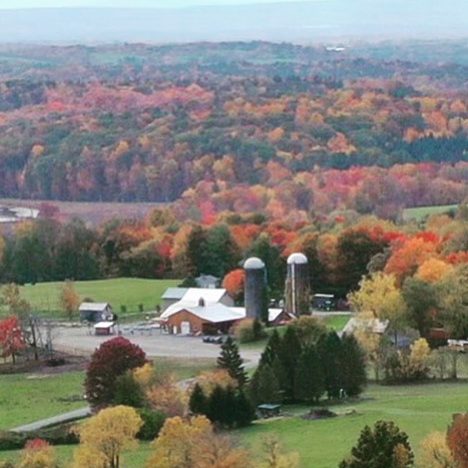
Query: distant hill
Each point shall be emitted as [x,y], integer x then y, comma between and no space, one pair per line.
[299,22]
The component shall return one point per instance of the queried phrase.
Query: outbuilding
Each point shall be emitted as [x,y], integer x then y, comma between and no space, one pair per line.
[95,312]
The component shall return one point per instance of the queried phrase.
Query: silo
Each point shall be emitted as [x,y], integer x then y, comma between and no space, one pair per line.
[297,289]
[255,288]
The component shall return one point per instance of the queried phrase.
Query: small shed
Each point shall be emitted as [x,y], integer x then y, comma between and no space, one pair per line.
[269,410]
[95,312]
[207,281]
[104,328]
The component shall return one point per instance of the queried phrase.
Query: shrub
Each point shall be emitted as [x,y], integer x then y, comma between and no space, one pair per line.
[249,330]
[112,359]
[123,308]
[153,421]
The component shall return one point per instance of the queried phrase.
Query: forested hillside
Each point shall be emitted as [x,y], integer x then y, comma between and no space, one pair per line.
[254,126]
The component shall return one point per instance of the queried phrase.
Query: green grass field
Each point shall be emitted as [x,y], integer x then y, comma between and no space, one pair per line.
[417,409]
[121,291]
[25,398]
[420,213]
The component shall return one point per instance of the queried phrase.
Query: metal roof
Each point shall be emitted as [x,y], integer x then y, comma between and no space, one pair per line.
[209,295]
[94,306]
[215,313]
[174,293]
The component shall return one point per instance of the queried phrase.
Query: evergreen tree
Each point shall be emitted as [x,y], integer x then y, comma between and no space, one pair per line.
[309,383]
[330,351]
[383,446]
[272,349]
[264,386]
[244,411]
[231,360]
[290,350]
[128,392]
[353,366]
[198,402]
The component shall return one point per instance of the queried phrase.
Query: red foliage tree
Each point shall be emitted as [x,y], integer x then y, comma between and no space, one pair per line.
[457,439]
[234,283]
[112,359]
[11,337]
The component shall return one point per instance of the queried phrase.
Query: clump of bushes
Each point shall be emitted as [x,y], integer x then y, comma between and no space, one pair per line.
[249,330]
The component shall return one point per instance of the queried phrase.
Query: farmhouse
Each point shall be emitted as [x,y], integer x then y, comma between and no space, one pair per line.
[207,281]
[95,311]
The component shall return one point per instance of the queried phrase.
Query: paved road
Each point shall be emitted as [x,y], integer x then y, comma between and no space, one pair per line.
[54,420]
[155,344]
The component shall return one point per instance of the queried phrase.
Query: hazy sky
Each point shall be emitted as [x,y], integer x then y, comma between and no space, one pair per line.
[126,3]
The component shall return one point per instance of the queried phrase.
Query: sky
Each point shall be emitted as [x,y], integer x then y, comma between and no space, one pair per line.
[12,4]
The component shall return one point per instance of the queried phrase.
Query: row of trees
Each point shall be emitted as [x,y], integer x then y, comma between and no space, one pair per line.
[306,362]
[340,249]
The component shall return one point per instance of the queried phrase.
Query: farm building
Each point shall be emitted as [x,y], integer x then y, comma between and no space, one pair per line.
[207,281]
[201,310]
[171,296]
[95,311]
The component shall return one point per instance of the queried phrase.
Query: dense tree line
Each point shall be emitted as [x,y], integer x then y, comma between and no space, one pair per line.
[149,128]
[307,362]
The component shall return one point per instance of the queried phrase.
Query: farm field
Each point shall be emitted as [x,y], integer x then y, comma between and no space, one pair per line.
[417,409]
[419,213]
[129,292]
[94,213]
[25,398]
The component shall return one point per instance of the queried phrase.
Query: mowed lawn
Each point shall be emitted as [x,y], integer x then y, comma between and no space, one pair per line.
[419,213]
[128,292]
[25,398]
[417,409]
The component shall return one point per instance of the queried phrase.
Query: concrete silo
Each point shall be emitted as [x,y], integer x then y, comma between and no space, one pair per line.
[255,289]
[297,289]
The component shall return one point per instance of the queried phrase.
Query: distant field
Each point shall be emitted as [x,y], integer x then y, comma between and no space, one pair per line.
[423,211]
[91,212]
[121,291]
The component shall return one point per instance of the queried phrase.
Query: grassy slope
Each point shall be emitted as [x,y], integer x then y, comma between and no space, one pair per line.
[420,213]
[418,410]
[24,399]
[120,291]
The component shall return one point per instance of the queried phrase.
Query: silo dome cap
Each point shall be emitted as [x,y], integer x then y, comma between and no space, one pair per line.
[297,259]
[254,263]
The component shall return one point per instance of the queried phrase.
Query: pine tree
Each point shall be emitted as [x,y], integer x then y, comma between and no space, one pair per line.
[330,351]
[309,381]
[244,411]
[198,402]
[290,351]
[353,366]
[272,349]
[383,446]
[231,360]
[264,386]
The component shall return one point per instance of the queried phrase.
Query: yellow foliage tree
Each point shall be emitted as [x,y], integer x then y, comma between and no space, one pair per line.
[193,444]
[38,454]
[435,452]
[275,457]
[419,355]
[69,299]
[166,396]
[209,380]
[105,436]
[433,270]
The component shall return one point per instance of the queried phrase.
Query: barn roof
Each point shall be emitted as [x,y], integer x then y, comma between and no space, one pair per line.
[94,306]
[174,293]
[209,295]
[215,313]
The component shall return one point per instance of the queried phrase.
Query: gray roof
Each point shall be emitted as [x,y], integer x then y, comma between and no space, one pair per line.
[174,293]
